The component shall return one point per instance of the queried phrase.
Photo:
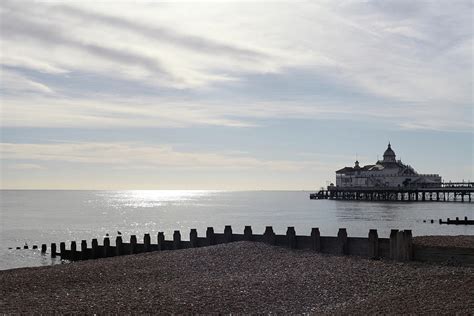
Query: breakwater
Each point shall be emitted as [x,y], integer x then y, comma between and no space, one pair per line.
[398,246]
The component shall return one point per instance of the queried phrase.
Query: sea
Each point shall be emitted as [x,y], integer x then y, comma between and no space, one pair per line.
[36,217]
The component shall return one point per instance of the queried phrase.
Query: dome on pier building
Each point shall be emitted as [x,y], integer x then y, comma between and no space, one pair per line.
[389,154]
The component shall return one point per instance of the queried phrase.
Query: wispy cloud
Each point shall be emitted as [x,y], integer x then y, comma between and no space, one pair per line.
[133,155]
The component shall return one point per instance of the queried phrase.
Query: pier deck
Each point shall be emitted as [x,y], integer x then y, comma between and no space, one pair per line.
[447,192]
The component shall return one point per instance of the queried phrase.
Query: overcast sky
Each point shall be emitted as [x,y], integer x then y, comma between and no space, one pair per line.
[231,95]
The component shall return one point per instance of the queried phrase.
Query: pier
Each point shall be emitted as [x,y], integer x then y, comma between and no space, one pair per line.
[446,192]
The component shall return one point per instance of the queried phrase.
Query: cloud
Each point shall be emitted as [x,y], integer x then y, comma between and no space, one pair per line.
[25,166]
[140,156]
[405,63]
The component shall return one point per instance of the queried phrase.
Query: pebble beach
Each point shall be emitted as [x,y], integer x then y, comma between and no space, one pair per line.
[241,277]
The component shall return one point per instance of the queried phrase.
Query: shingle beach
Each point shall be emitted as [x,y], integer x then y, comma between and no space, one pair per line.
[241,277]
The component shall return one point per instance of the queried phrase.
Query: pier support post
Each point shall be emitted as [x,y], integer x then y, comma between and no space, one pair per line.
[118,246]
[291,237]
[147,242]
[269,235]
[210,237]
[342,240]
[133,244]
[53,250]
[315,239]
[107,250]
[95,248]
[393,244]
[373,244]
[193,237]
[248,233]
[228,233]
[43,248]
[176,240]
[84,254]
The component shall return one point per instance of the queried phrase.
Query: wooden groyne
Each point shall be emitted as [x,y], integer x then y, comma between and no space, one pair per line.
[447,192]
[398,247]
[457,221]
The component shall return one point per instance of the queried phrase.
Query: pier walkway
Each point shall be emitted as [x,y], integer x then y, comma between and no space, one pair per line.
[447,192]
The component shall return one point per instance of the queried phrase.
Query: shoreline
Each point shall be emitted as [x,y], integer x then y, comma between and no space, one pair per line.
[240,277]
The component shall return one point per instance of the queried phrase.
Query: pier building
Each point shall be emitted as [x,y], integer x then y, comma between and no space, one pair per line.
[386,173]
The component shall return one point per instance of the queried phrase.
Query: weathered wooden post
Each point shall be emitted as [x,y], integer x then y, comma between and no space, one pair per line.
[228,233]
[210,237]
[95,248]
[373,244]
[147,242]
[401,250]
[107,250]
[393,244]
[35,246]
[53,250]
[133,244]
[43,248]
[408,239]
[176,240]
[62,250]
[161,241]
[73,251]
[342,240]
[84,255]
[291,237]
[315,239]
[25,246]
[248,233]
[193,237]
[269,235]
[118,246]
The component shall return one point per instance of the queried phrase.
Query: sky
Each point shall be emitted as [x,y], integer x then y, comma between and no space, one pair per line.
[231,95]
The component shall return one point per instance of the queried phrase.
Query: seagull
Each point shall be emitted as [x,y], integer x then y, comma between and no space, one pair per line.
[119,233]
[107,234]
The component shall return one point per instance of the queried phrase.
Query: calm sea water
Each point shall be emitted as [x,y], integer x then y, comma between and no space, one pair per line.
[37,217]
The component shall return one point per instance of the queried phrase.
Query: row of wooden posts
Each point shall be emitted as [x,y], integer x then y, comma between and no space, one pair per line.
[398,247]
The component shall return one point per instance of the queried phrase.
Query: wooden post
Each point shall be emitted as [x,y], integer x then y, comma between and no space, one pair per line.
[315,239]
[269,235]
[62,250]
[248,233]
[95,249]
[147,242]
[393,244]
[133,244]
[84,255]
[401,249]
[193,238]
[176,240]
[118,246]
[107,250]
[53,250]
[291,237]
[342,240]
[35,246]
[161,241]
[44,248]
[73,251]
[211,238]
[373,244]
[408,239]
[228,233]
